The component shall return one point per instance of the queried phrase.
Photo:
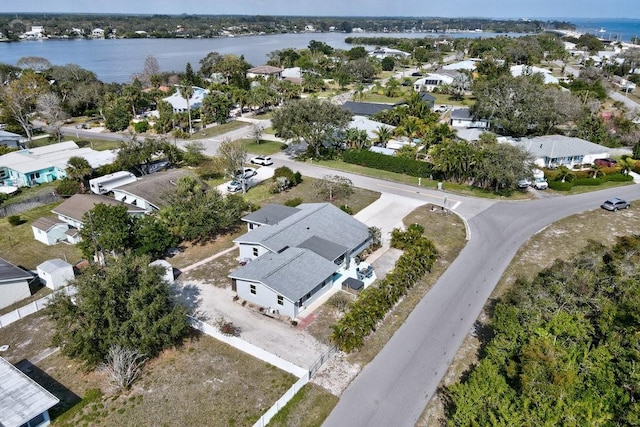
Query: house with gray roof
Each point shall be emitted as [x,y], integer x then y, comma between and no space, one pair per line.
[11,140]
[560,150]
[49,230]
[462,118]
[23,402]
[14,284]
[293,256]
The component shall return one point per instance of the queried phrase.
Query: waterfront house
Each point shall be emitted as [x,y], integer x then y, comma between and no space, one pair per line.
[264,71]
[293,256]
[179,102]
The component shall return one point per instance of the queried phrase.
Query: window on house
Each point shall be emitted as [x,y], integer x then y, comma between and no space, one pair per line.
[252,289]
[255,251]
[280,300]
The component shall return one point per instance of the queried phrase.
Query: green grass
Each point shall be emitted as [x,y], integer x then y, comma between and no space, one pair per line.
[374,97]
[442,98]
[99,144]
[219,129]
[19,247]
[467,190]
[265,147]
[308,408]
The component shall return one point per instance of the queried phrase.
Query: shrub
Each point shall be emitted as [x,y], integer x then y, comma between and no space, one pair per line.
[14,220]
[141,127]
[67,187]
[559,185]
[340,301]
[292,178]
[587,181]
[401,165]
[618,177]
[293,202]
[347,209]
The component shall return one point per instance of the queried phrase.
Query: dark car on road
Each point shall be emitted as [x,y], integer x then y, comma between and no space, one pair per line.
[615,204]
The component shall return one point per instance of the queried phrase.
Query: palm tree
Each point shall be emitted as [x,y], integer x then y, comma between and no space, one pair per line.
[240,97]
[392,87]
[564,174]
[78,168]
[358,93]
[187,93]
[383,134]
[627,164]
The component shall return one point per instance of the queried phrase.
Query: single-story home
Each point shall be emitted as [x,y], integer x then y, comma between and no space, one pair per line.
[49,230]
[519,70]
[11,140]
[55,273]
[366,108]
[431,81]
[179,102]
[149,192]
[293,74]
[23,402]
[264,71]
[370,126]
[467,64]
[462,118]
[295,255]
[14,285]
[386,52]
[33,166]
[560,150]
[73,209]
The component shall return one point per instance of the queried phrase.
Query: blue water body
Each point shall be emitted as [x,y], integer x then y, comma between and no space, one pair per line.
[620,29]
[118,60]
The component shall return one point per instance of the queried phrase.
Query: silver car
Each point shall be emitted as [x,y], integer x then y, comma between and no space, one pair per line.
[615,204]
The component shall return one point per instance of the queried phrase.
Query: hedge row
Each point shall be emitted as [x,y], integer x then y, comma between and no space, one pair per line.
[566,186]
[373,303]
[388,163]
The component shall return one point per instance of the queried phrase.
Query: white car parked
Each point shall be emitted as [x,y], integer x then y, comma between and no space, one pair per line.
[261,160]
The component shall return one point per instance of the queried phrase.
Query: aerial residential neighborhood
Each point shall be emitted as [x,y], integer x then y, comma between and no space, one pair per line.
[389,221]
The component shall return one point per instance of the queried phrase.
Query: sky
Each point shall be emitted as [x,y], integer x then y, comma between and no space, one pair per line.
[441,8]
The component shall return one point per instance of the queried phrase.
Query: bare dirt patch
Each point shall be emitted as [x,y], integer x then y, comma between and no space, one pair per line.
[26,338]
[215,271]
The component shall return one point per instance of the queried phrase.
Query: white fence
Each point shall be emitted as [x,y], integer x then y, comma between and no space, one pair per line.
[286,397]
[30,308]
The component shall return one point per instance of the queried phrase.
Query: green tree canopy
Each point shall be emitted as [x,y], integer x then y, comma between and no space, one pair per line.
[127,303]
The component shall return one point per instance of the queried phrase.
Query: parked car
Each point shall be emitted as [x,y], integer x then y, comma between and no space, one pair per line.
[605,162]
[540,184]
[236,185]
[416,74]
[245,173]
[615,204]
[261,160]
[524,183]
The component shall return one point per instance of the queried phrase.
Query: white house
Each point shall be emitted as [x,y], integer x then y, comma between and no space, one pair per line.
[385,52]
[264,71]
[49,230]
[368,125]
[432,81]
[23,402]
[462,118]
[97,33]
[295,255]
[106,183]
[179,102]
[560,150]
[468,64]
[519,70]
[14,285]
[73,209]
[55,273]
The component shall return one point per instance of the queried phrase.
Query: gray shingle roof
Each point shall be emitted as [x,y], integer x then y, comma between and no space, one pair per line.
[292,273]
[9,272]
[313,219]
[556,146]
[270,214]
[323,247]
[366,108]
[21,398]
[153,188]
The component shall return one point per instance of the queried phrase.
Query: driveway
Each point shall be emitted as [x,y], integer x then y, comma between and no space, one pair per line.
[262,174]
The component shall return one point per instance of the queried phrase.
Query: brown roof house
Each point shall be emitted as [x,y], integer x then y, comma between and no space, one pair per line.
[264,71]
[73,209]
[149,193]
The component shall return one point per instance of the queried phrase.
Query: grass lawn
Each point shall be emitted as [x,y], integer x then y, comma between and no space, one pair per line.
[308,408]
[261,194]
[265,147]
[369,96]
[467,190]
[219,129]
[442,98]
[99,144]
[191,253]
[561,240]
[18,246]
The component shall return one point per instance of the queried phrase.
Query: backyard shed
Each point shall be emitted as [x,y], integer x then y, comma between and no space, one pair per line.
[55,273]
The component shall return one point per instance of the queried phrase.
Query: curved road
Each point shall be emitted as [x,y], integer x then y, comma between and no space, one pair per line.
[395,387]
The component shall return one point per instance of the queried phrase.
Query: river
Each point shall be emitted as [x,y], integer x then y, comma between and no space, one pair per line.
[117,60]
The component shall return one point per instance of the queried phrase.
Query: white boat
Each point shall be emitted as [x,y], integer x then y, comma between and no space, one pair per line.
[602,30]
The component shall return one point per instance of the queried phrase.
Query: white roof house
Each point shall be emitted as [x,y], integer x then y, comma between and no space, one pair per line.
[55,273]
[22,400]
[560,150]
[518,70]
[431,81]
[468,64]
[385,52]
[179,103]
[48,163]
[104,184]
[370,126]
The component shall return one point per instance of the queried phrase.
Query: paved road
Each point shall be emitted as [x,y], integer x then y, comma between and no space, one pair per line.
[397,385]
